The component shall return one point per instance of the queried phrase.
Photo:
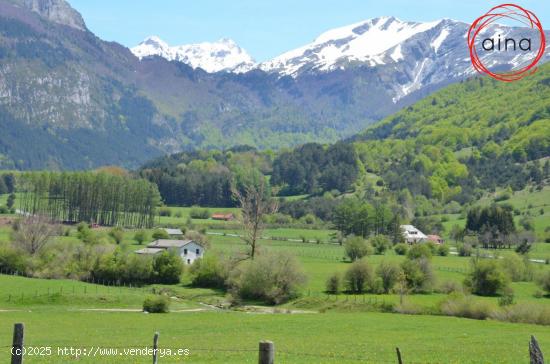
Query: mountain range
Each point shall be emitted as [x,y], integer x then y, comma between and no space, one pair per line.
[223,55]
[82,102]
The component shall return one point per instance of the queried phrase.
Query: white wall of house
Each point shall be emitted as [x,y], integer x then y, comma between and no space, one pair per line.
[412,235]
[191,252]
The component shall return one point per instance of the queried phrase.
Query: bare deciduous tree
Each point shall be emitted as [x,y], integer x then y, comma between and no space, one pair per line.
[32,233]
[255,204]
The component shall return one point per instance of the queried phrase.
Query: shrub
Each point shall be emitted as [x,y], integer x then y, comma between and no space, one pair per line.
[117,234]
[160,234]
[448,287]
[401,249]
[308,219]
[486,278]
[359,277]
[507,297]
[140,236]
[4,210]
[515,267]
[273,278]
[443,250]
[525,240]
[198,213]
[10,202]
[119,266]
[418,274]
[165,211]
[465,306]
[408,308]
[502,197]
[278,218]
[12,260]
[357,248]
[544,282]
[333,284]
[82,230]
[418,251]
[209,272]
[471,240]
[156,304]
[433,247]
[464,250]
[528,313]
[389,273]
[178,214]
[380,243]
[167,268]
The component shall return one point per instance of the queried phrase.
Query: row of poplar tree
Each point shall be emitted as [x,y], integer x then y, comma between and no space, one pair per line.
[98,198]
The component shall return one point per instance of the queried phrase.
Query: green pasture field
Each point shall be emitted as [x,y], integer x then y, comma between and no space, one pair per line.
[185,211]
[322,260]
[336,329]
[232,337]
[56,313]
[293,233]
[18,292]
[4,233]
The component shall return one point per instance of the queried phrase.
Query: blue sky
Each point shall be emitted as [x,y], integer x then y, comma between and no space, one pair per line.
[264,28]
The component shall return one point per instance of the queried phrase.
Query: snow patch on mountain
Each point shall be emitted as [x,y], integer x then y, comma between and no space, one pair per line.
[366,41]
[223,55]
[436,44]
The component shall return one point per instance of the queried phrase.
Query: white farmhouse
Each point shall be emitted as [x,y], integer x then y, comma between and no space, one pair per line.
[188,250]
[412,235]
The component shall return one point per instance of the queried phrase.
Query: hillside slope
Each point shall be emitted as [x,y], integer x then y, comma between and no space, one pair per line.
[512,118]
[469,137]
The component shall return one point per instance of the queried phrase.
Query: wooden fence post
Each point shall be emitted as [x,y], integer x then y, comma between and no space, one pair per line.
[155,348]
[17,347]
[267,352]
[399,360]
[535,354]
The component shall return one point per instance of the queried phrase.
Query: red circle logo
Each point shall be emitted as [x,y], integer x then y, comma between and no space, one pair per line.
[516,13]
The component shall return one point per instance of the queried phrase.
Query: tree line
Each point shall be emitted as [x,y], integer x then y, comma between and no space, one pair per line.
[7,183]
[354,217]
[313,168]
[91,197]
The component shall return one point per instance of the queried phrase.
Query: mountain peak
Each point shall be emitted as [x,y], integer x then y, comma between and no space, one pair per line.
[365,41]
[154,40]
[223,55]
[57,11]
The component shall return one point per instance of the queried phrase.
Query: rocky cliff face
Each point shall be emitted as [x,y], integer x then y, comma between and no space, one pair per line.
[57,11]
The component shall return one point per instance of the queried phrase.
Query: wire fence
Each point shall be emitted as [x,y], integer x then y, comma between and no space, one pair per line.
[281,353]
[51,291]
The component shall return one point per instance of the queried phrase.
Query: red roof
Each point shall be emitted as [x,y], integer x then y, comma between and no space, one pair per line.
[435,238]
[222,216]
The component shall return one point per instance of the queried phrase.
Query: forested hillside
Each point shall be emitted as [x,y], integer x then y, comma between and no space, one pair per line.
[508,119]
[472,136]
[447,150]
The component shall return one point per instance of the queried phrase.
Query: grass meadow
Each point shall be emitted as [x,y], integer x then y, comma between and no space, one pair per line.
[232,337]
[316,328]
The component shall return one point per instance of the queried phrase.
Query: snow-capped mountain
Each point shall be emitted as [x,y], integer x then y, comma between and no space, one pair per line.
[409,56]
[368,41]
[406,56]
[223,55]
